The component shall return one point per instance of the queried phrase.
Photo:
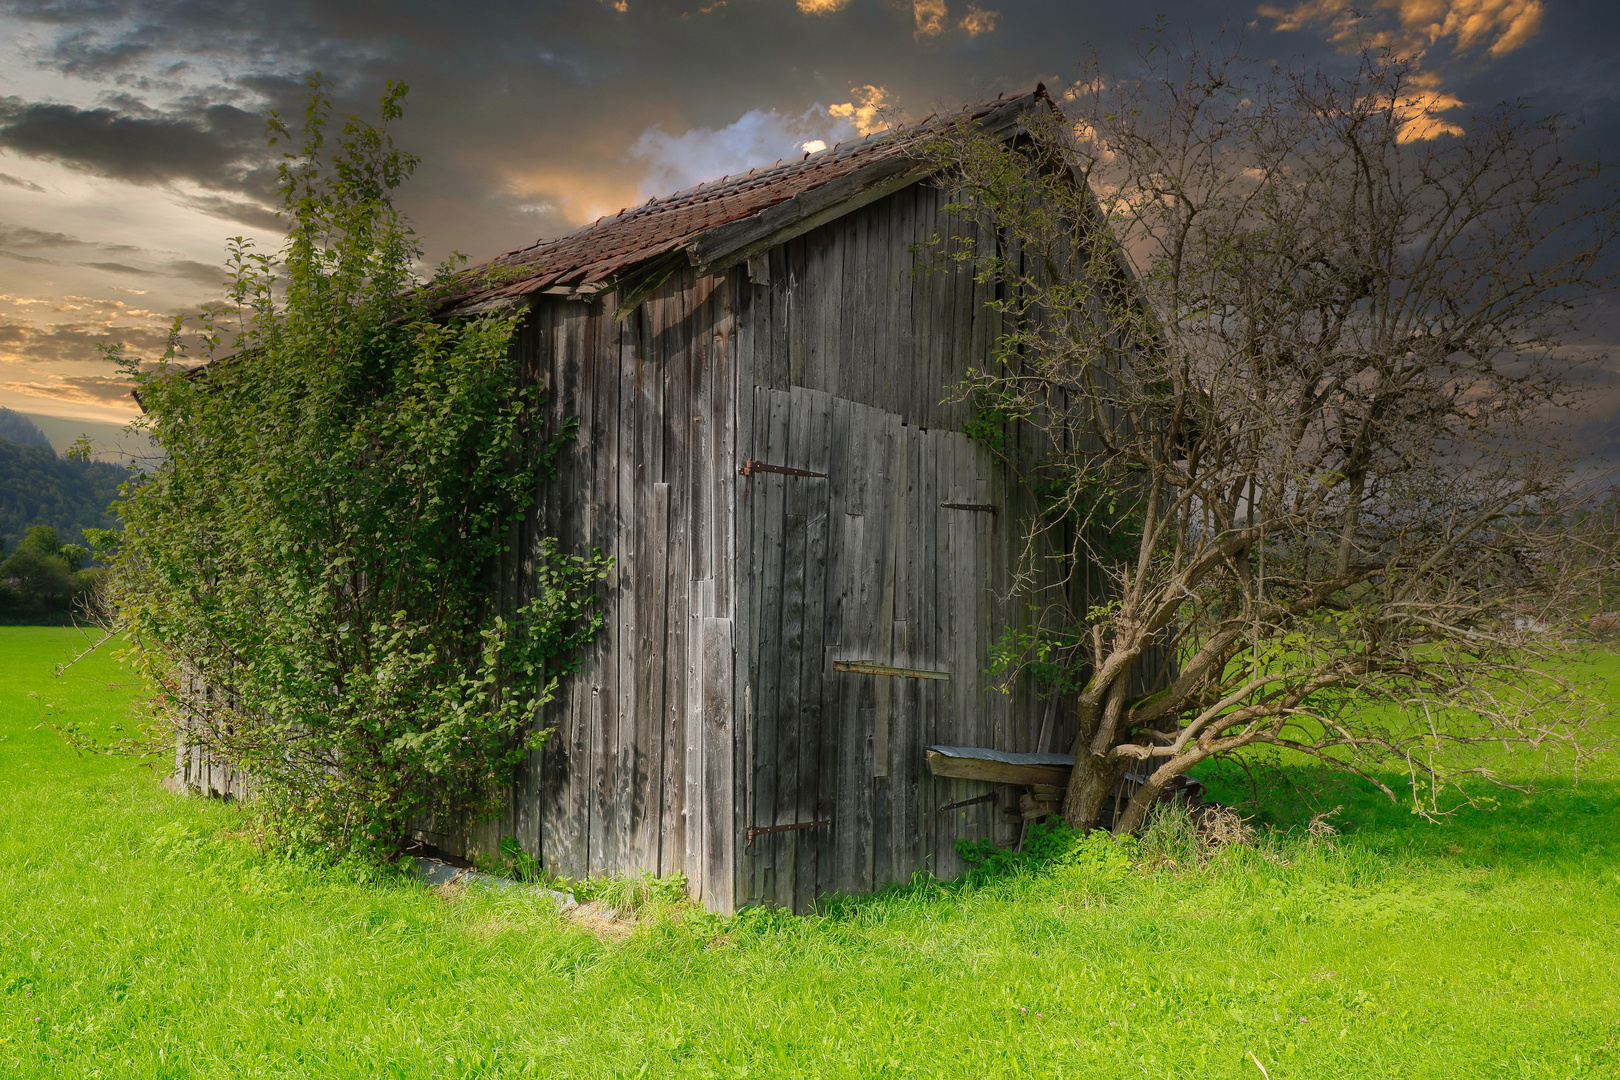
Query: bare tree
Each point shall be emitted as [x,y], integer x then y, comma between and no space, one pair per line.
[1292,348]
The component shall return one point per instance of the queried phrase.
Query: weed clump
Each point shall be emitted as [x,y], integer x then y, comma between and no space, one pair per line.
[618,897]
[1048,847]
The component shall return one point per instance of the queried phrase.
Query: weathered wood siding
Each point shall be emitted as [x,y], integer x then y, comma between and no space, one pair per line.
[637,772]
[849,343]
[712,704]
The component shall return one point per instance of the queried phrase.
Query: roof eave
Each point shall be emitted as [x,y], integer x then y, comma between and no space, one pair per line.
[726,245]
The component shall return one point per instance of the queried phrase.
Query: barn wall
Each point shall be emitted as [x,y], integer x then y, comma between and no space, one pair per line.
[711,705]
[848,344]
[637,772]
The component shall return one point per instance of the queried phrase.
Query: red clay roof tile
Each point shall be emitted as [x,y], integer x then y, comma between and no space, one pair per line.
[598,252]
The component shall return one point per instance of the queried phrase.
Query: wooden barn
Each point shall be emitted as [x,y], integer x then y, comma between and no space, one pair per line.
[812,561]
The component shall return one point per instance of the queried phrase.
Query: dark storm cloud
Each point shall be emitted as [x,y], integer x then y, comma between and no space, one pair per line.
[18,182]
[217,146]
[68,11]
[82,53]
[29,238]
[243,213]
[525,114]
[117,268]
[17,242]
[199,272]
[153,43]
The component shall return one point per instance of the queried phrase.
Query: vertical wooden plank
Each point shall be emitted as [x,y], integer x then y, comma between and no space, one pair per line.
[645,767]
[771,323]
[551,758]
[864,561]
[653,629]
[845,519]
[850,356]
[795,328]
[677,829]
[699,591]
[813,435]
[790,644]
[904,238]
[602,336]
[893,481]
[940,830]
[925,282]
[767,492]
[720,330]
[719,813]
[879,375]
[967,722]
[745,306]
[984,327]
[961,314]
[630,348]
[569,852]
[837,243]
[701,447]
[728,798]
[923,643]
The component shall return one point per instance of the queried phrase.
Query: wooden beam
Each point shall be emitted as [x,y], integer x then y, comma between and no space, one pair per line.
[727,245]
[641,283]
[997,772]
[499,303]
[862,667]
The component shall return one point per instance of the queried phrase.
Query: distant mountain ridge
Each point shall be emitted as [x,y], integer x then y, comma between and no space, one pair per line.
[39,488]
[19,429]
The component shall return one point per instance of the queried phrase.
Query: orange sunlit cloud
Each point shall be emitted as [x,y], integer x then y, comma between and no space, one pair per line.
[866,109]
[978,20]
[930,16]
[1499,26]
[1419,112]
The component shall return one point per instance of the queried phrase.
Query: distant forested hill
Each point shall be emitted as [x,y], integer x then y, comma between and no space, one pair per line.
[19,429]
[39,488]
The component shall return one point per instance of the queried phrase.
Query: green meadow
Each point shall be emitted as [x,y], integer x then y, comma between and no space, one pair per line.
[142,936]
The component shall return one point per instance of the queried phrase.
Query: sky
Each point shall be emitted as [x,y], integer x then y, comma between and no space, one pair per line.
[132,137]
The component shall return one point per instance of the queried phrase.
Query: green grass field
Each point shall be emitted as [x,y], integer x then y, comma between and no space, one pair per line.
[139,937]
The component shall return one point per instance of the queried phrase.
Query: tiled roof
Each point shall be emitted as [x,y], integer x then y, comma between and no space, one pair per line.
[608,246]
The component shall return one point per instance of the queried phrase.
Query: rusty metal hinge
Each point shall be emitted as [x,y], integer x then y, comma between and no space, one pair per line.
[866,667]
[990,798]
[983,508]
[761,830]
[750,467]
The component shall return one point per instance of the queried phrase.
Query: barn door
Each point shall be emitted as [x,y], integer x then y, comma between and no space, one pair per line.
[789,801]
[872,556]
[908,622]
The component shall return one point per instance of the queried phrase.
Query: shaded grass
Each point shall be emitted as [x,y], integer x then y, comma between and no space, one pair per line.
[150,941]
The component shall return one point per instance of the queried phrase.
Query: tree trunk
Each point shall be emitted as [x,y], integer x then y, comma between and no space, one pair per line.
[1137,810]
[1093,781]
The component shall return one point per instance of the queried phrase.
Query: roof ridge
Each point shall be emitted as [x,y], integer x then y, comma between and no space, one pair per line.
[602,250]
